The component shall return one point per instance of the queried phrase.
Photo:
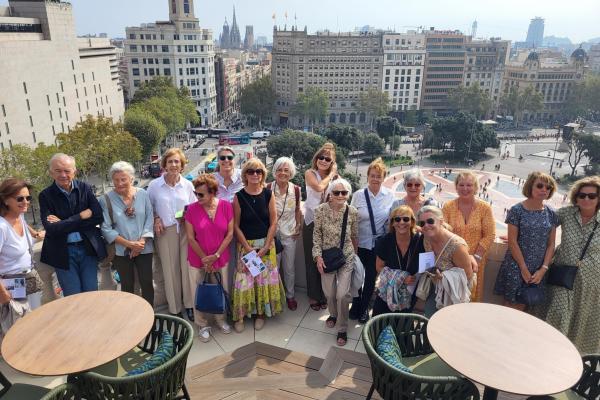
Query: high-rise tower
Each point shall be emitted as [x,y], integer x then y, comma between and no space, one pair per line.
[535,33]
[249,38]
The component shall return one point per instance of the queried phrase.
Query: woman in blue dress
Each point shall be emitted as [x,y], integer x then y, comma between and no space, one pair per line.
[531,234]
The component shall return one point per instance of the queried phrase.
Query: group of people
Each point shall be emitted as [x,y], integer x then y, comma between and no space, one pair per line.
[178,234]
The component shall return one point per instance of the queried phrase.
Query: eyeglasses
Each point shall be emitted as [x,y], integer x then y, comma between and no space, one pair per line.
[339,192]
[428,221]
[254,172]
[410,184]
[321,158]
[21,199]
[199,195]
[582,195]
[223,158]
[541,186]
[404,219]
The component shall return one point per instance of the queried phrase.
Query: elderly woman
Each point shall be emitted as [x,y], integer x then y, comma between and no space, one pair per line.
[373,204]
[575,312]
[255,227]
[169,195]
[329,226]
[414,184]
[398,251]
[128,223]
[289,222]
[16,243]
[323,170]
[452,267]
[208,253]
[531,235]
[472,219]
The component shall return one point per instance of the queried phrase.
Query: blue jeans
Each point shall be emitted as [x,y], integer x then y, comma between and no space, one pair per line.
[82,275]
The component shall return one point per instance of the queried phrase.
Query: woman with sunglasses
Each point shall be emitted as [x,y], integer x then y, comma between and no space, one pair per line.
[16,243]
[472,219]
[255,225]
[329,218]
[450,252]
[130,229]
[398,250]
[208,253]
[228,177]
[575,312]
[414,184]
[323,170]
[531,236]
[378,207]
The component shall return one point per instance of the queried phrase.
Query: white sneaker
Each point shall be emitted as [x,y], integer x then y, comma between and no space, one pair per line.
[225,328]
[204,334]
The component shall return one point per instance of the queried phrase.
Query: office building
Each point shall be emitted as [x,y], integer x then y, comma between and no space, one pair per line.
[180,49]
[535,33]
[51,79]
[594,55]
[249,38]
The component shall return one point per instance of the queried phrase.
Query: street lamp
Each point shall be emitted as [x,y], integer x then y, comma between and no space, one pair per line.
[554,153]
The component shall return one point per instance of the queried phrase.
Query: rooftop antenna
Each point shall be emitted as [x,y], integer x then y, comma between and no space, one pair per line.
[296,21]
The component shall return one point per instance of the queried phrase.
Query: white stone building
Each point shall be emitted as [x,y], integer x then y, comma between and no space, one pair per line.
[51,79]
[178,48]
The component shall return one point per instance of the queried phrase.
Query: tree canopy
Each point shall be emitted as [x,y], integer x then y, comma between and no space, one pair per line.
[516,102]
[347,138]
[387,127]
[146,128]
[373,103]
[258,99]
[373,145]
[584,98]
[312,104]
[470,99]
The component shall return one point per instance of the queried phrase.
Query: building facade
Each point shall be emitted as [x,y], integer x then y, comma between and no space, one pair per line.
[249,38]
[535,33]
[594,55]
[343,65]
[178,48]
[51,79]
[403,67]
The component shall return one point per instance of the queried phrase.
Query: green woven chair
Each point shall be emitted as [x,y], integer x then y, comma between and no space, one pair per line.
[430,379]
[108,382]
[588,386]
[21,391]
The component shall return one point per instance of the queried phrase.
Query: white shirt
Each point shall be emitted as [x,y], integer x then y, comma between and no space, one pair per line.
[286,212]
[227,192]
[313,200]
[167,200]
[381,205]
[14,249]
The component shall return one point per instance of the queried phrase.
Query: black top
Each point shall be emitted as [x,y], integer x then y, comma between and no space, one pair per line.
[388,251]
[254,215]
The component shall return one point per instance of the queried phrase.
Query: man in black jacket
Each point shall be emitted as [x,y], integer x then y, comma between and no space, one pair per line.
[71,214]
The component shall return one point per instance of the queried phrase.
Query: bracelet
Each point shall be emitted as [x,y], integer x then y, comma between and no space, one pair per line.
[477,257]
[217,254]
[545,267]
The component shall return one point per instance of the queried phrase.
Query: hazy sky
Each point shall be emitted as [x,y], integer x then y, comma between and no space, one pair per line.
[576,19]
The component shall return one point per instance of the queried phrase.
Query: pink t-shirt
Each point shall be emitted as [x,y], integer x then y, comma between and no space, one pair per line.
[209,234]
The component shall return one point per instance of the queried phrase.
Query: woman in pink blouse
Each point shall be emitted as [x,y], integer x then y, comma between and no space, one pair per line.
[208,253]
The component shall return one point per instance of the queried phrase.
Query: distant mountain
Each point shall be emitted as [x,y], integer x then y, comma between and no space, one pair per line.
[553,41]
[594,40]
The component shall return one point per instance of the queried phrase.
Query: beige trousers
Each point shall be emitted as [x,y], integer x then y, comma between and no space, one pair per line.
[336,287]
[197,276]
[172,251]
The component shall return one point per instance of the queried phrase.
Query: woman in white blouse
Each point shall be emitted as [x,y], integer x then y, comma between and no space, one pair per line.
[169,195]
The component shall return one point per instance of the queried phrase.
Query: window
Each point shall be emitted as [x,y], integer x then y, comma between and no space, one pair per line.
[133,47]
[51,118]
[136,71]
[4,109]
[25,87]
[186,6]
[132,36]
[167,71]
[33,135]
[7,128]
[165,49]
[30,121]
[28,106]
[166,61]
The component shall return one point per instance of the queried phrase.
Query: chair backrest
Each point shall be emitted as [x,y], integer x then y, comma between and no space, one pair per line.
[588,386]
[4,384]
[66,391]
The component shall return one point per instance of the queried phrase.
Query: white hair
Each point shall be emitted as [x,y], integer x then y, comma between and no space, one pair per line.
[60,156]
[121,166]
[334,183]
[285,161]
[414,175]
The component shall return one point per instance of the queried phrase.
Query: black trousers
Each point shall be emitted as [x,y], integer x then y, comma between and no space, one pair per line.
[143,266]
[367,257]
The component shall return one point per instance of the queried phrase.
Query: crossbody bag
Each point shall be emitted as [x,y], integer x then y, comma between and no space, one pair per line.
[334,258]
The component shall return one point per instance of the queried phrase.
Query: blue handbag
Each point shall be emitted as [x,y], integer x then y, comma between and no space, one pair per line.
[211,298]
[530,295]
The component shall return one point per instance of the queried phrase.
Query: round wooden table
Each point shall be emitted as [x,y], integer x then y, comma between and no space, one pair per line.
[77,333]
[504,349]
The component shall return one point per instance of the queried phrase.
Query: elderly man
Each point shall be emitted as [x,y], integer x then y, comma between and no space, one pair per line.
[71,215]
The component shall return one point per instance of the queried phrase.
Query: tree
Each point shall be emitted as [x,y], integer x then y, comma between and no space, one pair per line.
[461,133]
[410,118]
[22,161]
[516,102]
[313,105]
[347,138]
[387,127]
[374,103]
[257,99]
[584,98]
[580,145]
[395,142]
[145,128]
[300,146]
[471,100]
[373,145]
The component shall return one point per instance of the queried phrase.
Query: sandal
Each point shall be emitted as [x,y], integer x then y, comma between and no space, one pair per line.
[315,306]
[342,339]
[330,322]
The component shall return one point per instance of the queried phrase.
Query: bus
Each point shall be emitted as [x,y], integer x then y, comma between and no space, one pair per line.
[198,131]
[229,140]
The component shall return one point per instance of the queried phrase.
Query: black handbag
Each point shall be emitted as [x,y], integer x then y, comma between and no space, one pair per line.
[530,295]
[564,275]
[334,258]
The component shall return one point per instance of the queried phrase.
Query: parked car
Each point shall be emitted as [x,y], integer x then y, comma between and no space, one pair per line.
[260,134]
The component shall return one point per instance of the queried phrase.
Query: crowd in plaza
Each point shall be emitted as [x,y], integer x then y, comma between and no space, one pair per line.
[372,255]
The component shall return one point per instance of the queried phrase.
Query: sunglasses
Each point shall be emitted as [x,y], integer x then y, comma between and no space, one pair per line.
[339,192]
[254,172]
[199,195]
[429,221]
[21,199]
[321,158]
[413,184]
[582,195]
[541,186]
[404,219]
[223,158]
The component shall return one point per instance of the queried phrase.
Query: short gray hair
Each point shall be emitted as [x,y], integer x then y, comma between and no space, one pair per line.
[121,166]
[414,175]
[334,183]
[285,161]
[58,156]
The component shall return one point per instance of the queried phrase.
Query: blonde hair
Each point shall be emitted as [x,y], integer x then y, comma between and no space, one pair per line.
[326,148]
[542,176]
[466,175]
[581,183]
[378,165]
[405,211]
[174,151]
[439,215]
[254,163]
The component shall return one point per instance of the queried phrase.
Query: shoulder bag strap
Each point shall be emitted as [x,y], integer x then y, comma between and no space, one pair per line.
[587,244]
[344,222]
[110,210]
[252,209]
[371,218]
[297,194]
[29,240]
[443,249]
